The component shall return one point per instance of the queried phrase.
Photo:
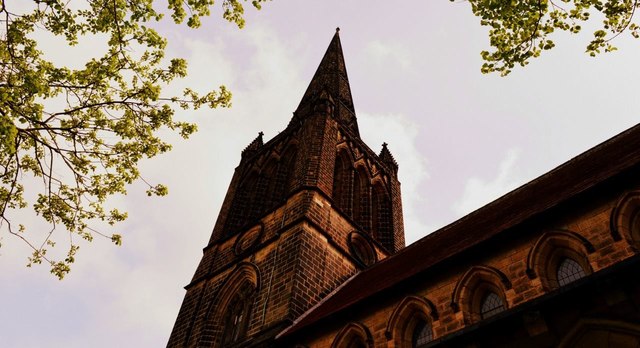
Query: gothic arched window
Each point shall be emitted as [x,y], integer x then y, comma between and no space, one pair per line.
[381,216]
[568,271]
[411,323]
[283,176]
[241,206]
[362,199]
[236,318]
[558,258]
[354,335]
[421,334]
[342,182]
[260,197]
[491,305]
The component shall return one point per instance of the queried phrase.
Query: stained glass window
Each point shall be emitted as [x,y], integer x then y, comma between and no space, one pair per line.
[569,271]
[491,304]
[421,335]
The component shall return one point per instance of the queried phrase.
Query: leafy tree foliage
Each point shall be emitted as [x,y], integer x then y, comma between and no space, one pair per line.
[521,29]
[80,133]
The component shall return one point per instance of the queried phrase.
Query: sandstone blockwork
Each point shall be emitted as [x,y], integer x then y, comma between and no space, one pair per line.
[540,306]
[308,249]
[304,212]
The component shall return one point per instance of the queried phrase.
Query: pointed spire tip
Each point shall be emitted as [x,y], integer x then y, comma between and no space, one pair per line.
[337,30]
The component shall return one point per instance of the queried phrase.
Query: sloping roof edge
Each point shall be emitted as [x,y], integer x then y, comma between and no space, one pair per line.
[583,172]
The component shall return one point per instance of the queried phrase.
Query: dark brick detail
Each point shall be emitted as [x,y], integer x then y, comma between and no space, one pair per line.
[279,215]
[381,216]
[363,191]
[342,182]
[362,199]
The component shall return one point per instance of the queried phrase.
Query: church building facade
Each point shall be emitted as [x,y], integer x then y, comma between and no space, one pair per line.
[308,249]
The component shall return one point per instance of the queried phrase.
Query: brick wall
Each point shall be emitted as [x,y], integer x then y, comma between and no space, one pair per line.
[299,245]
[589,217]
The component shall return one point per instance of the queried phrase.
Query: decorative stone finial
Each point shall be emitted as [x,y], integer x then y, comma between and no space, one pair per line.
[387,158]
[337,29]
[254,145]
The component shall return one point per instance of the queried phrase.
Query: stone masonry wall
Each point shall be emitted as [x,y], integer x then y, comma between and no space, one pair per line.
[509,255]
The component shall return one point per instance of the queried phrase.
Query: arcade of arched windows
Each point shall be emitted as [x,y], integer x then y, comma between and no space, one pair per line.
[260,190]
[366,201]
[557,258]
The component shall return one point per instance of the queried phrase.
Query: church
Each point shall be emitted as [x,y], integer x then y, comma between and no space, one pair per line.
[308,249]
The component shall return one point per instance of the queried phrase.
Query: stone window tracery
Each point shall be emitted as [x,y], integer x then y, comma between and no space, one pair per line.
[558,258]
[568,271]
[362,249]
[481,293]
[227,322]
[411,323]
[236,319]
[422,334]
[491,305]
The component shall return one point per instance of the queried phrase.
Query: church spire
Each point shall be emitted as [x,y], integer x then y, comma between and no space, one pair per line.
[330,82]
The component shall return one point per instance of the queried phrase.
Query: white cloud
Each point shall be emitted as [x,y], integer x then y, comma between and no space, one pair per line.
[130,295]
[389,54]
[478,192]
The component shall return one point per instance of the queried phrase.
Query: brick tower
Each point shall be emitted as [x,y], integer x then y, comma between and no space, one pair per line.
[304,212]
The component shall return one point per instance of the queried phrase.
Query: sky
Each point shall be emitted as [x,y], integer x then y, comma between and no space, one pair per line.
[461,138]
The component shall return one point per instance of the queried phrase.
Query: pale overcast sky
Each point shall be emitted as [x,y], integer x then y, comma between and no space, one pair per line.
[461,139]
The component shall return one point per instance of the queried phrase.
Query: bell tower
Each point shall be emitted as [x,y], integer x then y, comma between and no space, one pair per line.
[303,213]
